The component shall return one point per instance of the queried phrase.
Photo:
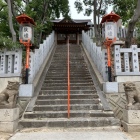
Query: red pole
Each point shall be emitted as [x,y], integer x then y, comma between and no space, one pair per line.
[27,55]
[68,80]
[108,56]
[27,62]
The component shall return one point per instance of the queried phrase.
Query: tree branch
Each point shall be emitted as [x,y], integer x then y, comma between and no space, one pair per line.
[2,7]
[131,25]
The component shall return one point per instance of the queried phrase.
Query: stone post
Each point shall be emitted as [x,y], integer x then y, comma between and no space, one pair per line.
[77,38]
[9,120]
[131,115]
[56,36]
[131,120]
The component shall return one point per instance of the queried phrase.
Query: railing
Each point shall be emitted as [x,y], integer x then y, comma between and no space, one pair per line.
[97,54]
[121,32]
[68,79]
[10,63]
[38,56]
[126,60]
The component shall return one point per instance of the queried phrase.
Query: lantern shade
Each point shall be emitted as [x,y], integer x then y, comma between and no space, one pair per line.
[110,17]
[24,19]
[109,25]
[26,33]
[110,30]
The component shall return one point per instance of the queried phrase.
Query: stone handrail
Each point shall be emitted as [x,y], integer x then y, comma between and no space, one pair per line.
[98,55]
[121,32]
[38,57]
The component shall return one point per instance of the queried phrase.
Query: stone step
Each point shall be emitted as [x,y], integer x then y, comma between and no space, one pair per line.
[72,77]
[71,122]
[64,114]
[64,101]
[65,68]
[65,87]
[72,58]
[65,84]
[71,81]
[65,96]
[50,109]
[71,71]
[74,63]
[64,107]
[81,75]
[52,92]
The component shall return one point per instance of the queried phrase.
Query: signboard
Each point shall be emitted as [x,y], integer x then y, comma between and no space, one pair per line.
[110,30]
[26,33]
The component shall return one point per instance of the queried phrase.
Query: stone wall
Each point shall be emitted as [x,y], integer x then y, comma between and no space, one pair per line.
[117,102]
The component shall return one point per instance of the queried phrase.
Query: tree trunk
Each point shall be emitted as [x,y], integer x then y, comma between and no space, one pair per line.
[131,25]
[43,18]
[10,21]
[96,27]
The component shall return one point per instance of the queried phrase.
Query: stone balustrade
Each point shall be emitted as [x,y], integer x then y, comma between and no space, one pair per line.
[98,55]
[121,32]
[10,63]
[126,61]
[38,56]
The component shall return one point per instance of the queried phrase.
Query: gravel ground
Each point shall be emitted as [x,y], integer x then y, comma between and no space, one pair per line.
[82,133]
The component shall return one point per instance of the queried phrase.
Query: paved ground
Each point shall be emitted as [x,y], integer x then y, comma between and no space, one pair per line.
[70,134]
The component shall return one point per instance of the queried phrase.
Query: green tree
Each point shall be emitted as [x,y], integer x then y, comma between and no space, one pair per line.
[130,13]
[7,23]
[124,8]
[42,11]
[97,7]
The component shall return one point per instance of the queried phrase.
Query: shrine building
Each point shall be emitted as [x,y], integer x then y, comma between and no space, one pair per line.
[71,27]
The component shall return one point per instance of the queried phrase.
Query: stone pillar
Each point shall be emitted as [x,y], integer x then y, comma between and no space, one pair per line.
[131,120]
[77,38]
[9,119]
[56,37]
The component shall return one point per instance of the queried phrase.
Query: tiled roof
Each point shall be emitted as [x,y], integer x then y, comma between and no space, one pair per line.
[74,20]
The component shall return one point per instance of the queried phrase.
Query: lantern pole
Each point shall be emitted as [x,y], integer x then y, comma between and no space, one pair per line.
[27,45]
[110,20]
[108,44]
[26,38]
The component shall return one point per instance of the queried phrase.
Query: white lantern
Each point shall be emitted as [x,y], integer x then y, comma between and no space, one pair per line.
[26,33]
[110,30]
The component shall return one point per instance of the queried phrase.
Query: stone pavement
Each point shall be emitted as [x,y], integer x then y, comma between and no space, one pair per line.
[71,134]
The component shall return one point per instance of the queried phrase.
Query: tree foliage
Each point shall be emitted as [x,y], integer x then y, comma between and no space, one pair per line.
[125,8]
[97,7]
[42,11]
[129,10]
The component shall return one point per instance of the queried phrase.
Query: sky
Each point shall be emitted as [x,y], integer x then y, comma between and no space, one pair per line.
[75,15]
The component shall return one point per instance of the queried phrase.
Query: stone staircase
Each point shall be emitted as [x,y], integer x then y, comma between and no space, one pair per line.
[50,109]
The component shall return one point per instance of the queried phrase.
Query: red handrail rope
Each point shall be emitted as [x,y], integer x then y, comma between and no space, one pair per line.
[68,80]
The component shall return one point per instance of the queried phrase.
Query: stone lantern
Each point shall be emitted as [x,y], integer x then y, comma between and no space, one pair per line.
[26,36]
[109,24]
